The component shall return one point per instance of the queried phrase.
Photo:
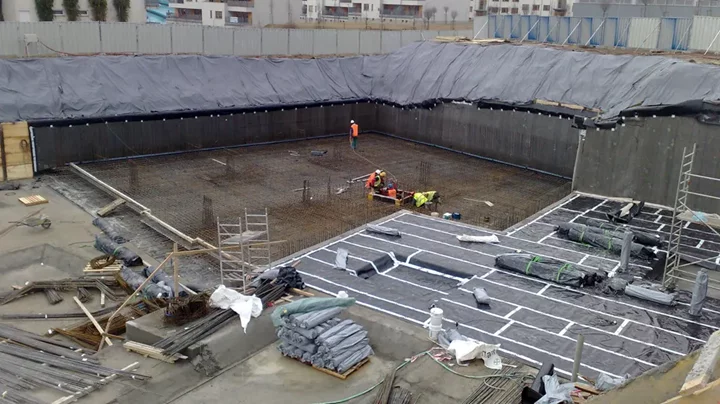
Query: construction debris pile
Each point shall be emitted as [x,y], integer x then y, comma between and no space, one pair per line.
[108,287]
[311,332]
[32,362]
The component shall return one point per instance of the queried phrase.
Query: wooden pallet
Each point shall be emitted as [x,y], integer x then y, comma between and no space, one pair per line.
[105,210]
[32,200]
[342,376]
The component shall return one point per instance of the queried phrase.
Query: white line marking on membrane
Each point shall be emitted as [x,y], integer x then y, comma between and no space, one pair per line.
[574,290]
[658,219]
[412,255]
[658,211]
[567,327]
[486,275]
[219,162]
[583,259]
[547,332]
[515,310]
[660,228]
[699,244]
[541,291]
[448,320]
[687,225]
[353,257]
[614,270]
[415,284]
[546,237]
[503,328]
[622,327]
[542,216]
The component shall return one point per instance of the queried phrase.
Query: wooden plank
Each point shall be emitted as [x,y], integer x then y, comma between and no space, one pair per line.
[112,268]
[301,292]
[19,172]
[152,352]
[74,397]
[587,387]
[17,158]
[32,200]
[347,373]
[700,374]
[691,398]
[105,210]
[92,319]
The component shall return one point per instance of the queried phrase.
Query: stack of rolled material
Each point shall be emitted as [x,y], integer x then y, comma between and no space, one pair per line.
[323,340]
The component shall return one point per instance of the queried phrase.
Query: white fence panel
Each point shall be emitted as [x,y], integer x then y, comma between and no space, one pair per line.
[644,33]
[218,41]
[274,42]
[370,42]
[187,38]
[80,37]
[301,42]
[154,38]
[247,42]
[408,37]
[480,28]
[703,31]
[348,42]
[118,37]
[325,42]
[429,35]
[390,41]
[9,41]
[48,34]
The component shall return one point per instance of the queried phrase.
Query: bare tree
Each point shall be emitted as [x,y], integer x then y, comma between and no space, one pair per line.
[446,8]
[453,14]
[605,6]
[428,13]
[645,4]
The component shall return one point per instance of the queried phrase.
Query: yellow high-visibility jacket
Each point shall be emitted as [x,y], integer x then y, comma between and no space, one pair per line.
[421,198]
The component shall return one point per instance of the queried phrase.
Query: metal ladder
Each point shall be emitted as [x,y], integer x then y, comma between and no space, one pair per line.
[257,229]
[232,261]
[681,195]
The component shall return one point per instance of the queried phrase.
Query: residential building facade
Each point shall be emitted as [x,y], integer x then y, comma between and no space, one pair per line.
[646,8]
[24,11]
[531,7]
[235,12]
[446,11]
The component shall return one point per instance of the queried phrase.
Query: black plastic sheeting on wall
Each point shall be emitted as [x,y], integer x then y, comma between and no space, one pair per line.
[418,74]
[641,160]
[59,145]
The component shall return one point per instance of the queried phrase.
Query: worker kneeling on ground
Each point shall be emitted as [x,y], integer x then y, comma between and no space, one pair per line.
[422,198]
[376,181]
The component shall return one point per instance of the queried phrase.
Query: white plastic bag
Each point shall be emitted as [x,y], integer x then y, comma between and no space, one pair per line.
[478,239]
[556,393]
[467,350]
[244,306]
[341,258]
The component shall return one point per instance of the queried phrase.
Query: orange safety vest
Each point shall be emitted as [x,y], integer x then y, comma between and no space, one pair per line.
[354,129]
[371,181]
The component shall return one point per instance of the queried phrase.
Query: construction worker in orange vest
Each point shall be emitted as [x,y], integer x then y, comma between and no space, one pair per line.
[353,134]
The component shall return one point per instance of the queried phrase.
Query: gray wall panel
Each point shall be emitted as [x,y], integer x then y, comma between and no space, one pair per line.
[48,33]
[391,41]
[369,42]
[154,38]
[348,42]
[218,41]
[408,37]
[247,42]
[80,37]
[118,37]
[274,42]
[325,42]
[187,38]
[301,41]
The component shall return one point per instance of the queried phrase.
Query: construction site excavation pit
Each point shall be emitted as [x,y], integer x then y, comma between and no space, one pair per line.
[304,186]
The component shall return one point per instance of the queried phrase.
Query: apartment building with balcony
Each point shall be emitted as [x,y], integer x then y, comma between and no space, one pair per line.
[238,13]
[530,7]
[463,10]
[25,11]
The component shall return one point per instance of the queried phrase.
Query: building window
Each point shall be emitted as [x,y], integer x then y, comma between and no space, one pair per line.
[83,12]
[366,7]
[57,12]
[546,7]
[536,7]
[218,15]
[514,11]
[493,10]
[504,10]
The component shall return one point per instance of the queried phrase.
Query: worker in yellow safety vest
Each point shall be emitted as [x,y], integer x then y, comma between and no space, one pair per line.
[421,198]
[354,128]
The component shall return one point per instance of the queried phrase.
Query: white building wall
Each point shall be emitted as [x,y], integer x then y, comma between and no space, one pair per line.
[276,12]
[17,10]
[544,7]
[371,8]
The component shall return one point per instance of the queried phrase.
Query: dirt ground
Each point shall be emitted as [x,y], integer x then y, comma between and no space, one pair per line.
[191,190]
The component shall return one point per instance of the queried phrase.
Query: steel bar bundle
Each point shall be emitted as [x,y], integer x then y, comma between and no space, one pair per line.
[400,395]
[546,268]
[103,285]
[49,316]
[501,386]
[38,342]
[84,295]
[270,292]
[383,395]
[182,310]
[53,296]
[196,331]
[86,334]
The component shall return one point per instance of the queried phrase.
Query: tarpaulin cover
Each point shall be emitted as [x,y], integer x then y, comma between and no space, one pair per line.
[546,268]
[104,244]
[308,305]
[595,237]
[641,237]
[417,74]
[106,228]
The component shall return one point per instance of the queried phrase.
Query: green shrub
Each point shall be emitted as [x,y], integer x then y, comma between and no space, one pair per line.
[122,7]
[99,9]
[71,9]
[44,10]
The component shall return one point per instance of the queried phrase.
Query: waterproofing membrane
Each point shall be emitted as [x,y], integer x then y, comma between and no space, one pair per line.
[532,319]
[417,74]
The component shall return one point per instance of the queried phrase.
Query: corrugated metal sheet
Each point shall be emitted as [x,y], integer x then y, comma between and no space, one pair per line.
[494,27]
[325,42]
[703,31]
[47,32]
[218,41]
[301,41]
[118,37]
[154,38]
[274,41]
[348,42]
[681,39]
[668,35]
[80,37]
[390,41]
[644,33]
[409,37]
[9,42]
[187,38]
[247,42]
[369,42]
[480,27]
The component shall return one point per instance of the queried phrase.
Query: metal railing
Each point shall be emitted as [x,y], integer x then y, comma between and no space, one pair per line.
[186,18]
[240,3]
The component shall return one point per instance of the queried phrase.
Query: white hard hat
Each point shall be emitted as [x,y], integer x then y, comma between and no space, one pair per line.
[351,121]
[377,171]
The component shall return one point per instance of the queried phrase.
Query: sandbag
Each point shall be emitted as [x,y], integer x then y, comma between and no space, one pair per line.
[106,228]
[651,295]
[160,276]
[549,269]
[319,317]
[388,231]
[340,357]
[481,296]
[129,258]
[699,292]
[341,335]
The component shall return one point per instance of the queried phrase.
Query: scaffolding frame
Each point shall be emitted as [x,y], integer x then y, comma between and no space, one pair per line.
[683,215]
[243,248]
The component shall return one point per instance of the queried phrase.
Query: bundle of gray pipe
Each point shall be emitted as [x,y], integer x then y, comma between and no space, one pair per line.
[106,228]
[388,231]
[481,296]
[652,295]
[549,269]
[315,318]
[699,292]
[129,258]
[333,345]
[446,337]
[595,237]
[160,277]
[151,290]
[640,237]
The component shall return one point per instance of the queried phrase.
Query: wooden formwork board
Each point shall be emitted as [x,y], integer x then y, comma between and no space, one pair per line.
[342,376]
[32,200]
